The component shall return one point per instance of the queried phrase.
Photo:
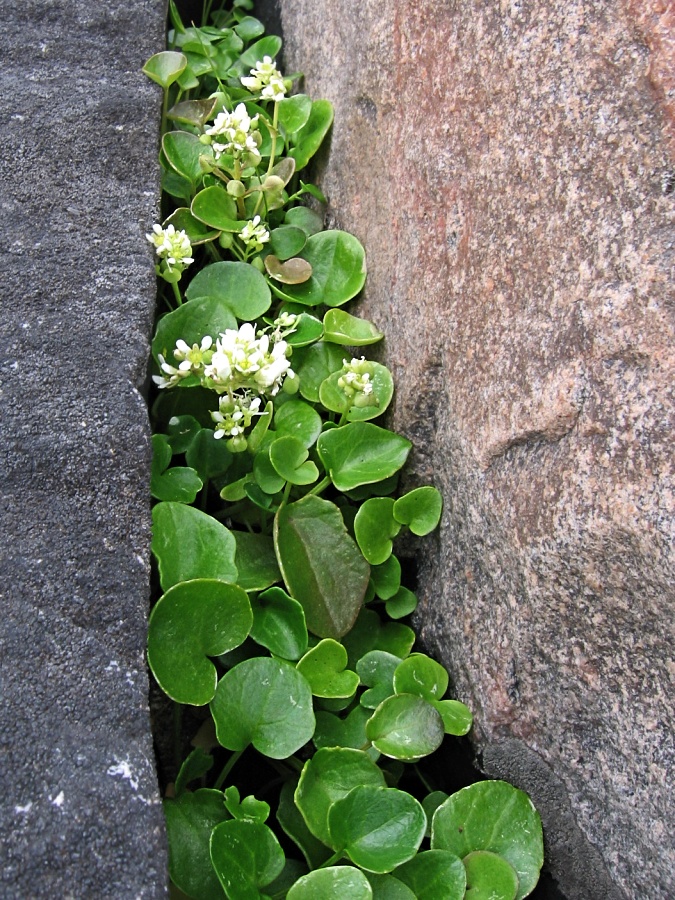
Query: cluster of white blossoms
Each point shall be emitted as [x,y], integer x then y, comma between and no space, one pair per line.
[237,133]
[266,78]
[245,360]
[235,414]
[191,361]
[173,248]
[356,381]
[254,235]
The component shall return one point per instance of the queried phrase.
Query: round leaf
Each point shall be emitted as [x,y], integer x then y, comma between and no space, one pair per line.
[179,484]
[165,67]
[193,112]
[292,271]
[370,633]
[386,887]
[332,731]
[288,456]
[256,561]
[298,419]
[246,856]
[294,112]
[386,578]
[495,816]
[420,510]
[374,528]
[214,207]
[324,667]
[401,604]
[310,138]
[194,766]
[342,328]
[307,331]
[376,670]
[190,819]
[197,232]
[191,322]
[338,264]
[183,151]
[332,883]
[266,703]
[279,624]
[191,622]
[405,727]
[434,875]
[238,285]
[313,365]
[457,718]
[361,453]
[310,222]
[489,876]
[378,828]
[266,476]
[287,241]
[291,820]
[191,544]
[419,674]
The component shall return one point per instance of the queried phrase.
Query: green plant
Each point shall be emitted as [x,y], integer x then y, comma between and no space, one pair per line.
[275,521]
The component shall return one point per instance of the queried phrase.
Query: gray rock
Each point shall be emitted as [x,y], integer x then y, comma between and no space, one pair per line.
[80,815]
[509,169]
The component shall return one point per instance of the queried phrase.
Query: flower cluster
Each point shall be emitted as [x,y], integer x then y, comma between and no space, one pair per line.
[237,134]
[191,361]
[266,78]
[356,382]
[245,360]
[235,414]
[254,235]
[174,250]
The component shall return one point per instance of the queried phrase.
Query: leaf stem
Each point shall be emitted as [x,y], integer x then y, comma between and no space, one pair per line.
[176,293]
[321,486]
[227,768]
[336,857]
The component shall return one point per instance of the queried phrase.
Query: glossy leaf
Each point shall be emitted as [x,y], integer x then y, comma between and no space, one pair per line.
[183,220]
[191,622]
[267,46]
[165,67]
[287,241]
[210,457]
[290,271]
[310,222]
[279,624]
[333,397]
[294,112]
[332,883]
[386,887]
[421,675]
[288,456]
[246,856]
[361,453]
[217,209]
[370,633]
[420,510]
[249,28]
[386,578]
[328,777]
[457,718]
[434,875]
[332,731]
[248,808]
[342,328]
[378,828]
[308,329]
[179,483]
[403,603]
[181,431]
[405,727]
[256,561]
[311,136]
[431,803]
[266,703]
[338,269]
[375,528]
[321,565]
[291,820]
[193,112]
[376,670]
[324,667]
[494,816]
[266,476]
[190,323]
[489,876]
[194,766]
[313,365]
[190,544]
[183,151]
[190,819]
[238,285]
[300,420]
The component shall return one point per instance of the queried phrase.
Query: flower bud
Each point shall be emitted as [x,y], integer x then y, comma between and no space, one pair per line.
[225,240]
[258,264]
[236,188]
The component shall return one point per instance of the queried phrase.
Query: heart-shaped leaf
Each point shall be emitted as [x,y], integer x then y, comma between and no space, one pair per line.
[197,232]
[178,483]
[434,875]
[214,207]
[238,285]
[420,510]
[342,328]
[494,816]
[405,727]
[194,766]
[294,112]
[310,222]
[288,456]
[338,270]
[266,476]
[246,856]
[361,453]
[321,565]
[190,544]
[256,561]
[264,702]
[370,633]
[190,323]
[376,670]
[190,819]
[457,718]
[287,241]
[300,420]
[183,152]
[324,667]
[192,621]
[386,578]
[328,777]
[489,876]
[403,603]
[332,731]
[209,456]
[378,828]
[165,67]
[332,882]
[374,529]
[421,675]
[279,624]
[248,808]
[181,431]
[310,137]
[290,271]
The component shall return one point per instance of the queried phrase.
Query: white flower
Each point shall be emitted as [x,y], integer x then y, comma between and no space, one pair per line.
[243,360]
[175,374]
[266,78]
[173,247]
[194,358]
[254,235]
[356,381]
[235,414]
[237,129]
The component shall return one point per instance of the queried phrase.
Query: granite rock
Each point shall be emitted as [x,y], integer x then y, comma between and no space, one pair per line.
[80,814]
[509,167]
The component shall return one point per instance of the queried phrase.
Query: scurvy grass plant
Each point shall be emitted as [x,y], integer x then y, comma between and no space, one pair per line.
[280,617]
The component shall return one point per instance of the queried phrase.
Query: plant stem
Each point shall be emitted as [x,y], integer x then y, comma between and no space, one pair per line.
[176,293]
[321,486]
[227,768]
[274,132]
[336,857]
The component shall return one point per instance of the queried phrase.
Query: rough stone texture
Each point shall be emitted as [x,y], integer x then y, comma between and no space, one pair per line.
[80,814]
[507,166]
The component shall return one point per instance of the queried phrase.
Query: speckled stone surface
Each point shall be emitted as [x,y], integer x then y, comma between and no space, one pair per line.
[509,167]
[80,815]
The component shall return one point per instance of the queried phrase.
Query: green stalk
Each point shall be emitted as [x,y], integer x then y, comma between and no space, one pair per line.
[227,768]
[176,293]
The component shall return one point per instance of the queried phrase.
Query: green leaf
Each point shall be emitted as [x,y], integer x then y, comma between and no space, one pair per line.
[292,271]
[249,28]
[287,241]
[327,777]
[179,483]
[165,67]
[307,330]
[332,883]
[376,670]
[494,816]
[291,820]
[300,420]
[248,808]
[420,510]
[279,624]
[238,285]
[256,561]
[434,875]
[457,718]
[489,876]
[190,544]
[194,766]
[421,675]
[386,578]
[294,112]
[267,46]
[431,803]
[181,432]
[332,731]
[401,604]
[361,407]
[341,328]
[197,232]
[338,264]
[374,529]
[209,456]
[310,138]
[310,222]
[313,365]
[191,322]
[361,453]
[378,828]
[217,209]
[190,819]
[321,565]
[193,112]
[405,727]
[266,476]
[266,703]
[288,456]
[370,633]
[192,621]
[324,667]
[246,856]
[386,887]
[177,186]
[183,152]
